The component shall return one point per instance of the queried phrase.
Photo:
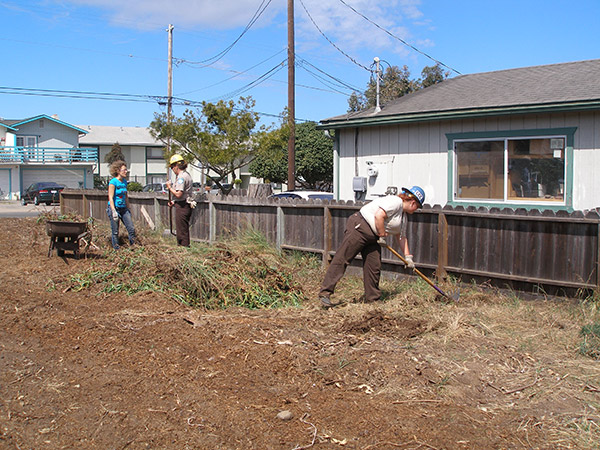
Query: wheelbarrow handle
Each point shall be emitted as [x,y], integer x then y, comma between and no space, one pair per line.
[418,272]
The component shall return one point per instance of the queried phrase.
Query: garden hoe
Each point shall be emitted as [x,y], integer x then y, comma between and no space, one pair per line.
[453,297]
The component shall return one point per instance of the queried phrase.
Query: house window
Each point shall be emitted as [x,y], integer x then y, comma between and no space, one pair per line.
[515,169]
[154,153]
[26,141]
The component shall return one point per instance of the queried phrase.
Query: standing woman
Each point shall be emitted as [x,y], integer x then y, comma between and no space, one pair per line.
[182,191]
[364,233]
[118,203]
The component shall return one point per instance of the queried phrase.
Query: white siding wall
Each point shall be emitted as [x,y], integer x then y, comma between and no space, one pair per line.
[586,164]
[419,154]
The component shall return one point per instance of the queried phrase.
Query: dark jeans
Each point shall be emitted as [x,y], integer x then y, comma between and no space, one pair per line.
[125,216]
[183,214]
[358,237]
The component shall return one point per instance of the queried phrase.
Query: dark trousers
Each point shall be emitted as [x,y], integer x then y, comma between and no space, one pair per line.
[183,214]
[358,237]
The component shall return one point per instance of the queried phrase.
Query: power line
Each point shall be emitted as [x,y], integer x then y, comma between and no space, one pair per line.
[81,94]
[237,74]
[331,42]
[323,81]
[265,76]
[400,39]
[340,82]
[87,95]
[220,55]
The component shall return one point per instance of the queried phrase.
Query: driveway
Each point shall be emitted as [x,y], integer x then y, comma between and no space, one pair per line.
[11,208]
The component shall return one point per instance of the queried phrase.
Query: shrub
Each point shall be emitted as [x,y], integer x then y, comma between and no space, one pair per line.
[134,186]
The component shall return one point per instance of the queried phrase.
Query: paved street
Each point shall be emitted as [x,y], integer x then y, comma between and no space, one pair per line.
[9,208]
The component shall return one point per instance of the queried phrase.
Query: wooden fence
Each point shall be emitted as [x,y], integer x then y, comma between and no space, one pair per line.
[530,251]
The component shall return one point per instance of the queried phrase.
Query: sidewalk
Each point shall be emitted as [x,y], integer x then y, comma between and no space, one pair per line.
[13,208]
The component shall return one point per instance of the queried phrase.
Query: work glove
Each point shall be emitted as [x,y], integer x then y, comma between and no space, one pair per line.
[192,203]
[115,215]
[381,241]
[409,262]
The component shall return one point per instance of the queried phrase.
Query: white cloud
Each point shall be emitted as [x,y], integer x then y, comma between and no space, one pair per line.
[351,32]
[347,29]
[214,14]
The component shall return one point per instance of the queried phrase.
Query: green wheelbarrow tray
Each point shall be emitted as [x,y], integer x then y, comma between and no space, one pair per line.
[65,236]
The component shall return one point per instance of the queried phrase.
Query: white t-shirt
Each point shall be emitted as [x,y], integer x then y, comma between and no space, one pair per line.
[392,205]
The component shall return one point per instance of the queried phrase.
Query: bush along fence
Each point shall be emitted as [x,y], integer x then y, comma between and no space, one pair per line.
[530,251]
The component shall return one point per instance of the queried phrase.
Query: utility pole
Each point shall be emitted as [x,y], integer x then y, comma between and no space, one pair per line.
[170,76]
[291,100]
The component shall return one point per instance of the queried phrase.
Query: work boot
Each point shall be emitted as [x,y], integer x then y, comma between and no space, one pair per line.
[325,302]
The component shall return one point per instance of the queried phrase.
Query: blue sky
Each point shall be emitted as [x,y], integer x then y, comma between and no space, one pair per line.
[98,48]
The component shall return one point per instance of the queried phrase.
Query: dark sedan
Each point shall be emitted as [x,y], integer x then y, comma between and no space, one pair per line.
[47,192]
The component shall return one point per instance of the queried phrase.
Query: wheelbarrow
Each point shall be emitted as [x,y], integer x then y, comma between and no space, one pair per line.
[67,236]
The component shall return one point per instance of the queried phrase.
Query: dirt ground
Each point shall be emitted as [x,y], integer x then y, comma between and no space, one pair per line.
[89,371]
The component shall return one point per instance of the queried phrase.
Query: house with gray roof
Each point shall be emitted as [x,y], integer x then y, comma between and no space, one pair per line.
[143,154]
[520,138]
[42,148]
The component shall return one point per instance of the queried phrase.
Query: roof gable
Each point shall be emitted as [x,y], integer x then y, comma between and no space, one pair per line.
[45,117]
[549,86]
[8,127]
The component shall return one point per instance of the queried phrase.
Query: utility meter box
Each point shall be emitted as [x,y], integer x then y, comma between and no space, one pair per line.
[359,184]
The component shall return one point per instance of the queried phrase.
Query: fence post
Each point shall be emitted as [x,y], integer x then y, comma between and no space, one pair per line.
[212,221]
[157,216]
[327,235]
[442,247]
[280,227]
[86,206]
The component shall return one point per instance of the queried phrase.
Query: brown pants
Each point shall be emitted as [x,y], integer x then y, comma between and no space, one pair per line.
[358,237]
[183,214]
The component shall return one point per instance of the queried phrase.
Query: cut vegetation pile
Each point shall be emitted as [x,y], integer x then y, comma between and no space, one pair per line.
[244,272]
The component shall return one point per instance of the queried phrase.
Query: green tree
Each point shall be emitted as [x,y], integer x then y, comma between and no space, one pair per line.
[115,154]
[395,83]
[272,162]
[313,156]
[431,75]
[220,138]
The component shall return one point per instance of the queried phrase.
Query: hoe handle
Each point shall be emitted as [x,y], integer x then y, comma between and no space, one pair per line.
[418,272]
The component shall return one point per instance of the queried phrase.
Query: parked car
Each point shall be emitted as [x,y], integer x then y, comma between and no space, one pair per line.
[214,189]
[47,192]
[306,195]
[155,187]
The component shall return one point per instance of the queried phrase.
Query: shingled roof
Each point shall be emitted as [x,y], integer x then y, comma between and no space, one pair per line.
[108,135]
[555,87]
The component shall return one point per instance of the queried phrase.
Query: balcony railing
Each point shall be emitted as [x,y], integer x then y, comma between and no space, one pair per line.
[47,155]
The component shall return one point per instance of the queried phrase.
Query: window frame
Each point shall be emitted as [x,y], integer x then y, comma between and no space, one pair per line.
[150,148]
[567,133]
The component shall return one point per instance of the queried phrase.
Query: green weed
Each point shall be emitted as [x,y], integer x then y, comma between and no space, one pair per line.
[590,344]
